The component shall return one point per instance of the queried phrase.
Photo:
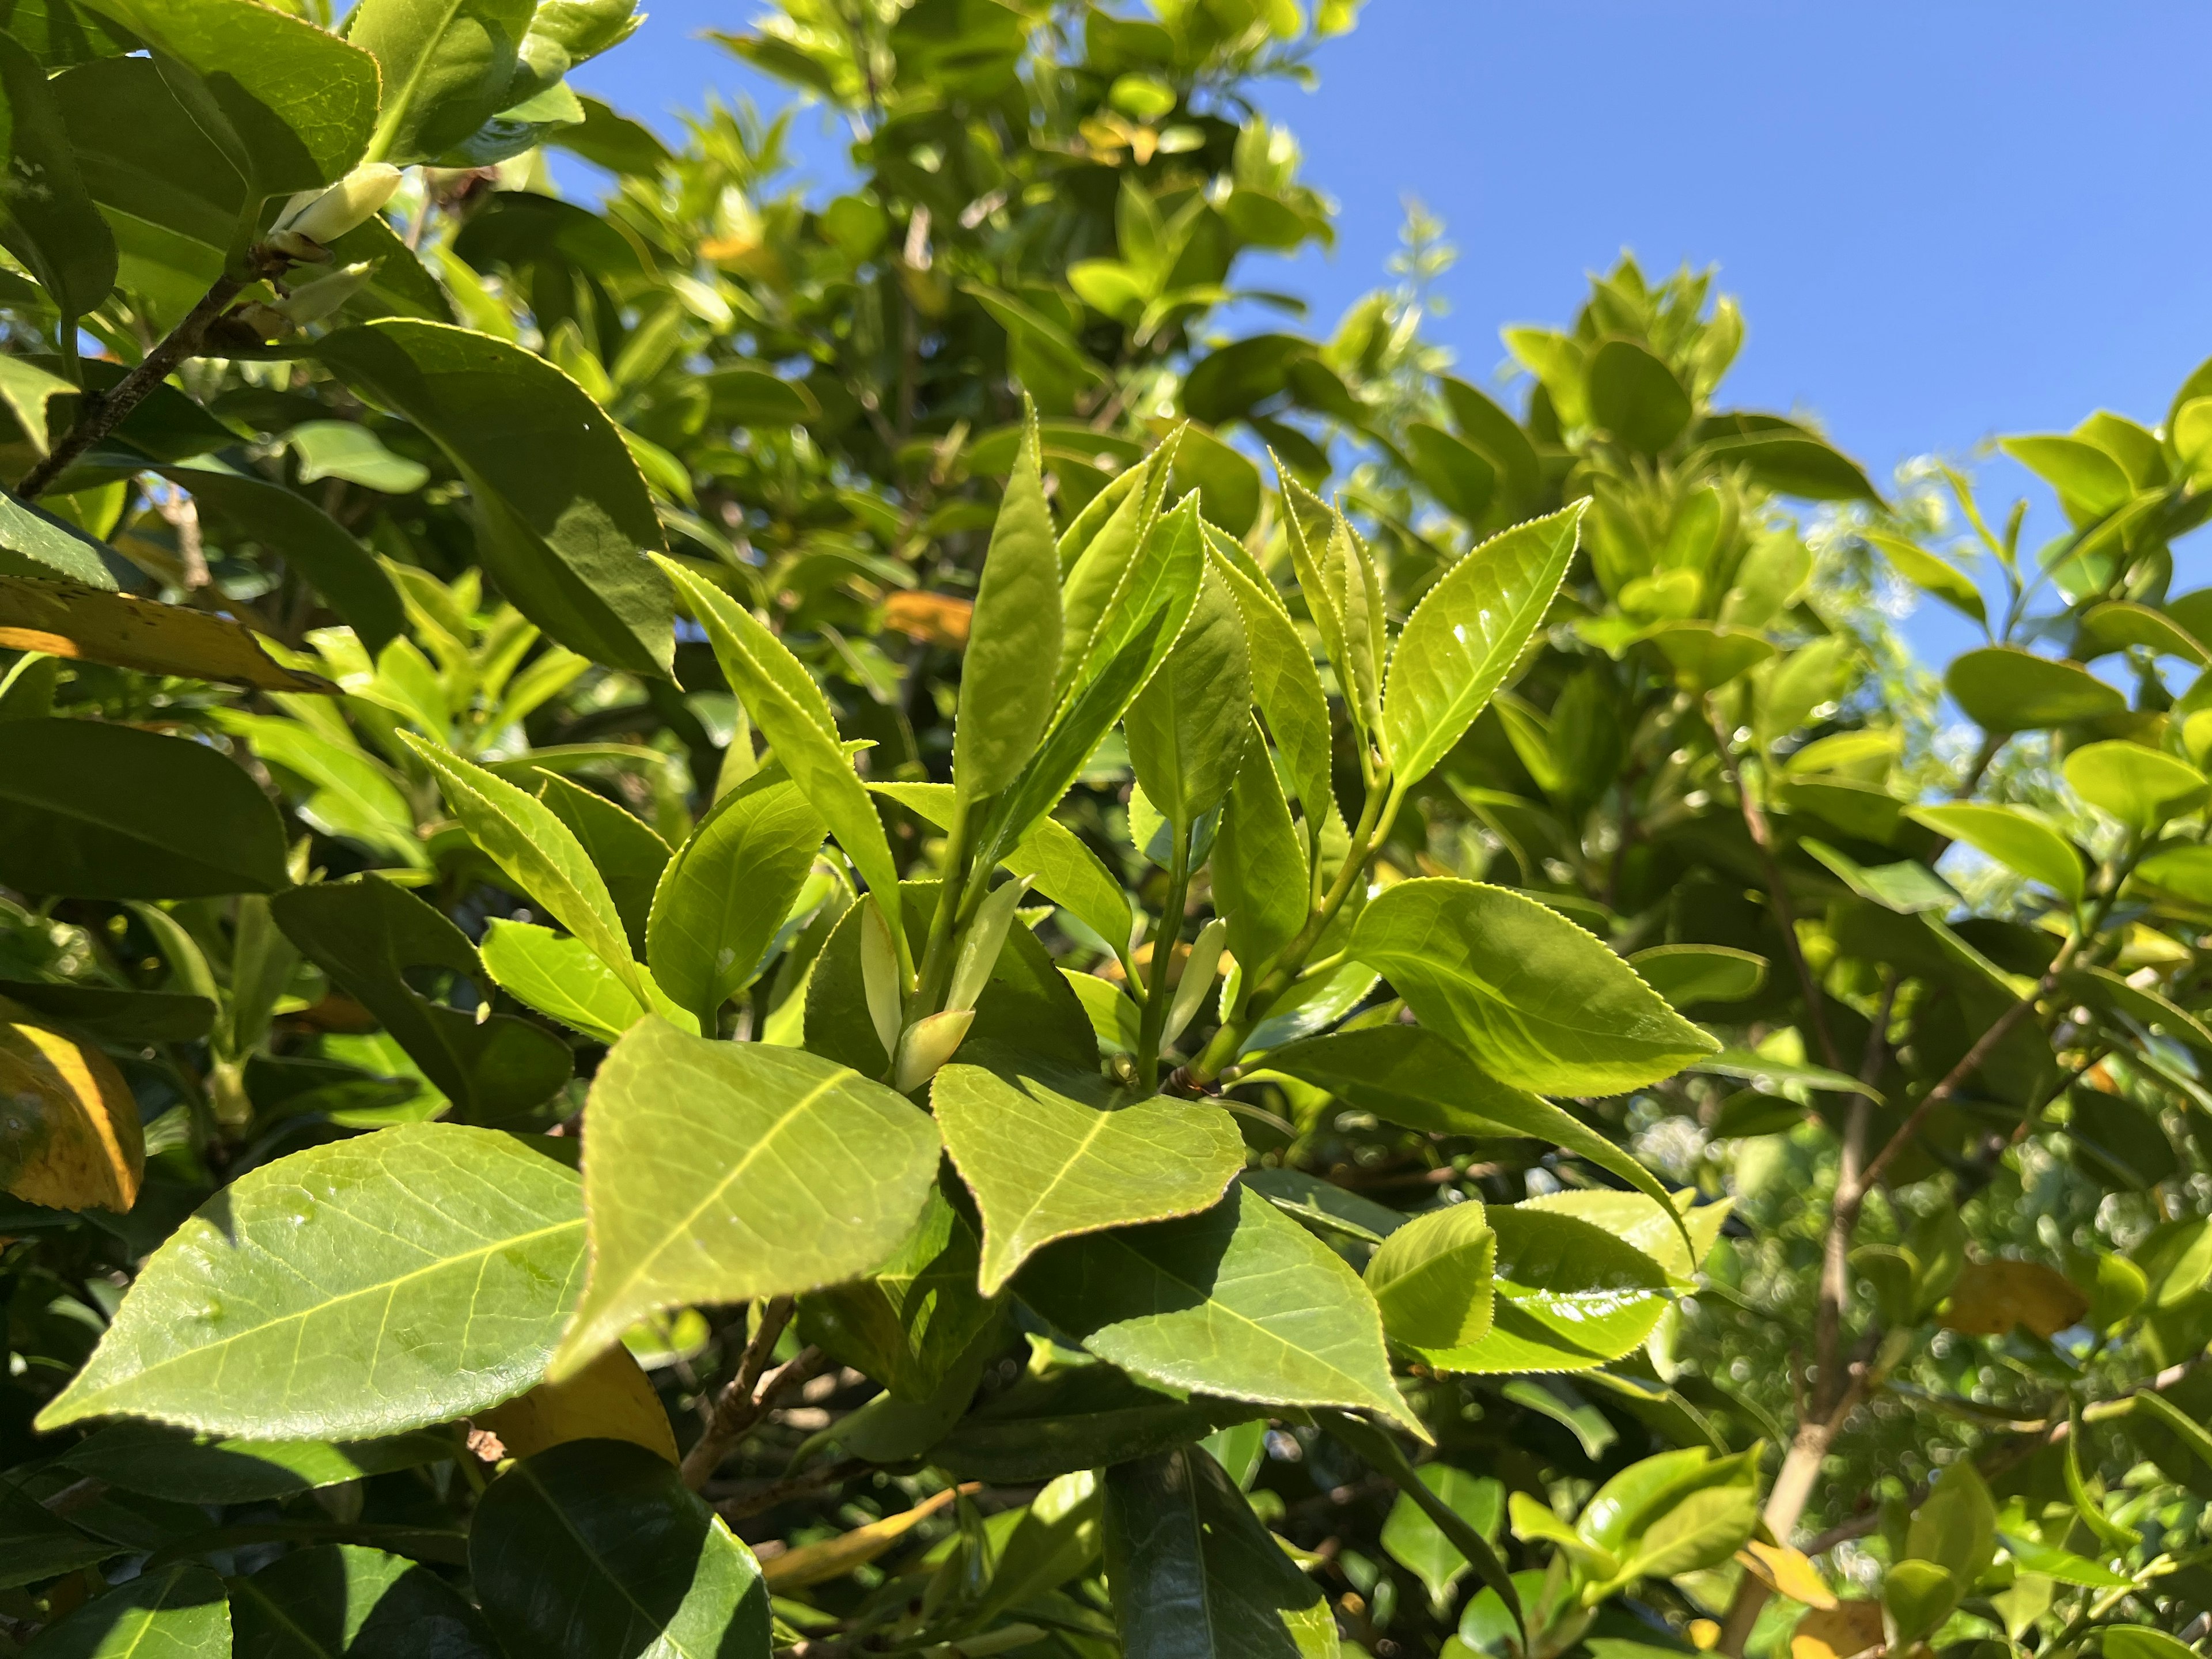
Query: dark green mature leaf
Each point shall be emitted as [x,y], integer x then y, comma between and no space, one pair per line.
[290,104]
[35,1544]
[2002,688]
[909,1323]
[166,1462]
[360,1288]
[235,508]
[93,811]
[1079,1416]
[62,32]
[1635,396]
[1465,638]
[1186,728]
[1461,475]
[1261,881]
[365,934]
[101,1012]
[562,515]
[596,1548]
[447,67]
[1570,1297]
[1015,630]
[1535,999]
[1049,1153]
[794,716]
[49,221]
[177,1611]
[720,1172]
[1240,1301]
[728,890]
[1785,457]
[1195,1576]
[343,1602]
[627,853]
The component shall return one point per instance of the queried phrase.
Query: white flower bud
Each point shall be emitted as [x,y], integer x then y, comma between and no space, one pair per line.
[879,976]
[927,1044]
[324,215]
[987,937]
[1197,977]
[310,302]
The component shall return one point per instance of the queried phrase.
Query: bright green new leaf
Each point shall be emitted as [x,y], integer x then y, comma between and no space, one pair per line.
[2141,787]
[447,69]
[1535,1000]
[2119,624]
[2089,481]
[1285,682]
[343,1602]
[1686,974]
[522,835]
[1196,1573]
[1186,728]
[719,1172]
[1418,1544]
[1702,1530]
[1679,1235]
[1917,1596]
[1635,396]
[729,890]
[174,1611]
[48,219]
[559,975]
[627,853]
[355,795]
[1106,549]
[2002,688]
[359,1288]
[1261,882]
[788,707]
[2018,837]
[1240,1301]
[1048,1153]
[595,1547]
[563,516]
[1464,639]
[1570,1297]
[1431,1278]
[1016,630]
[1931,574]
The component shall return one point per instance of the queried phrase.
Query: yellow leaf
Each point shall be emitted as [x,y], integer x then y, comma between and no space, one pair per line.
[833,1557]
[1704,1634]
[90,624]
[933,618]
[69,1127]
[1990,1297]
[609,1400]
[1842,1631]
[1787,1572]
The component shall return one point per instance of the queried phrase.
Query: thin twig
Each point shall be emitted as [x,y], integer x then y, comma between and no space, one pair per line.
[745,1399]
[767,1495]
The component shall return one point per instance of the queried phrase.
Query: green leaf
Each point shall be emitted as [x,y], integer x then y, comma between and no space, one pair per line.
[1261,882]
[539,854]
[1569,1297]
[1906,886]
[1635,396]
[1431,1278]
[1239,1301]
[447,65]
[722,1171]
[38,544]
[1457,473]
[1014,632]
[92,810]
[595,1547]
[1416,1543]
[1931,574]
[1095,553]
[627,853]
[291,104]
[1186,728]
[1762,1068]
[562,513]
[909,1323]
[348,450]
[1050,1153]
[359,1288]
[1702,1530]
[237,509]
[559,975]
[1704,654]
[50,222]
[107,1015]
[1224,479]
[728,891]
[2141,1642]
[177,1611]
[2088,481]
[354,795]
[2002,689]
[1917,1596]
[1678,1235]
[1285,682]
[1535,999]
[2033,1555]
[343,1602]
[1465,638]
[1196,1574]
[1686,974]
[2118,624]
[2018,837]
[788,707]
[2141,787]
[365,934]
[165,1462]
[1416,1077]
[1785,457]
[34,1544]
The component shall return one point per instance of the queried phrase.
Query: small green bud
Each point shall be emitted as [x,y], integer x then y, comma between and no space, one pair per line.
[1197,977]
[310,302]
[879,976]
[322,217]
[927,1044]
[987,937]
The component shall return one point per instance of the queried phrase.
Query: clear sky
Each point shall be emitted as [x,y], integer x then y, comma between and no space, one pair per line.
[1944,219]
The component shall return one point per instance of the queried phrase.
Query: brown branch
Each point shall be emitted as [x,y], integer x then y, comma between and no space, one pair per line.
[750,1394]
[767,1495]
[100,414]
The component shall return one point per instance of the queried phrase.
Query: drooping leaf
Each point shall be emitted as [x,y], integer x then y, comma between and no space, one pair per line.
[719,1172]
[563,519]
[1535,1000]
[343,1601]
[1464,639]
[289,526]
[175,1611]
[597,1548]
[365,934]
[92,810]
[1050,1153]
[360,1288]
[1196,1574]
[1015,629]
[70,1139]
[1238,1300]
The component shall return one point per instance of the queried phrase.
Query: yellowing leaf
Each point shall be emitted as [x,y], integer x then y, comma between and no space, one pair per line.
[609,1400]
[1990,1297]
[1787,1572]
[1842,1631]
[90,624]
[833,1557]
[69,1128]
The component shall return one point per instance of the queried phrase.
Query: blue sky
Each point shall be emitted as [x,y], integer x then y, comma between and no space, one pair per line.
[1943,220]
